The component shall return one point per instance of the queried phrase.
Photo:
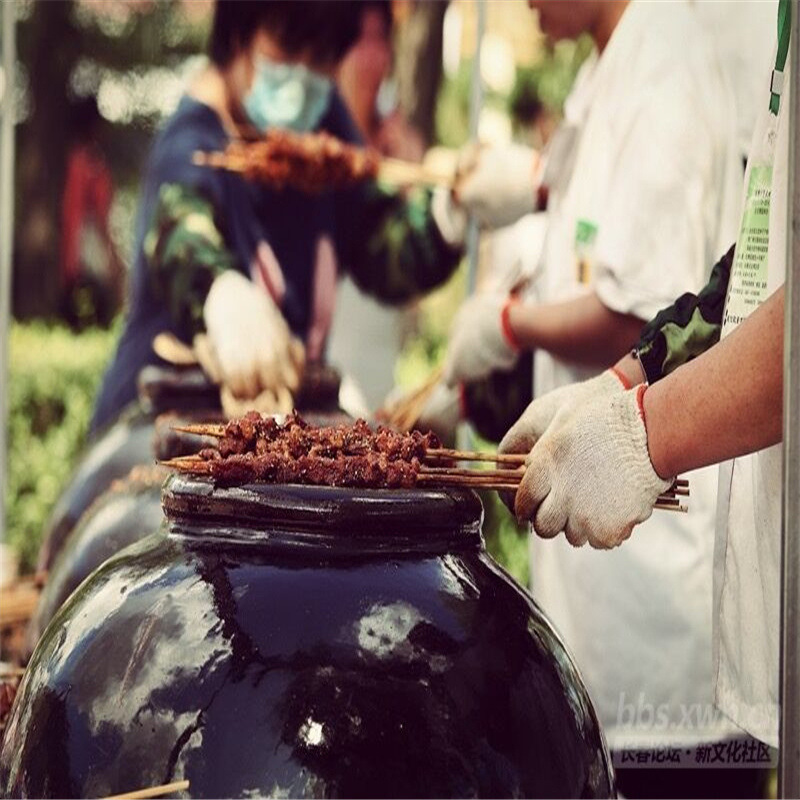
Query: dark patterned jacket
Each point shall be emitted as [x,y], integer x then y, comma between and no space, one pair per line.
[687,328]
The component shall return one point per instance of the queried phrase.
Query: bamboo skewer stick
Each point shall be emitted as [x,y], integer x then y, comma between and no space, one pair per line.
[202,429]
[180,461]
[462,480]
[438,477]
[659,505]
[405,413]
[192,464]
[467,455]
[668,501]
[152,791]
[11,672]
[511,474]
[395,170]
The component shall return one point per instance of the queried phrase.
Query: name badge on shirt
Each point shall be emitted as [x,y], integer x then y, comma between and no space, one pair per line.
[585,235]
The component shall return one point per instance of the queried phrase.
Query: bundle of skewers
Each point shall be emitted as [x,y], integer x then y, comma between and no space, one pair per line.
[314,162]
[404,413]
[256,448]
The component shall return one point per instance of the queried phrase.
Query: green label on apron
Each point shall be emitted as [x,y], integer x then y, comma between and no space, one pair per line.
[748,285]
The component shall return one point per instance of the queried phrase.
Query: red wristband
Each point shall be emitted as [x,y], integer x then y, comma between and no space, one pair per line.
[640,402]
[622,379]
[505,325]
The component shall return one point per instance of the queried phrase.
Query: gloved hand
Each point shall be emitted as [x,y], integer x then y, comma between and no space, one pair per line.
[249,337]
[450,218]
[499,186]
[480,340]
[590,474]
[536,418]
[442,412]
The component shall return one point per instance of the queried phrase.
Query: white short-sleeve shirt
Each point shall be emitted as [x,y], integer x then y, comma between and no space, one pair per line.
[650,204]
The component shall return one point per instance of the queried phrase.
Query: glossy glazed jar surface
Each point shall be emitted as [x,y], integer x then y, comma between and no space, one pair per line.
[304,642]
[124,514]
[125,444]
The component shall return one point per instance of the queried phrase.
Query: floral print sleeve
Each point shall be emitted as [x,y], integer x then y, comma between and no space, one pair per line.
[390,243]
[687,328]
[184,251]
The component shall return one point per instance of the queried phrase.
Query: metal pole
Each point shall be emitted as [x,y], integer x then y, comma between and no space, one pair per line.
[475,105]
[464,432]
[789,767]
[7,110]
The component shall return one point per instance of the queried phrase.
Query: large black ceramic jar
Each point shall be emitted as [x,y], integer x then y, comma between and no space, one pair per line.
[108,457]
[304,642]
[126,443]
[125,513]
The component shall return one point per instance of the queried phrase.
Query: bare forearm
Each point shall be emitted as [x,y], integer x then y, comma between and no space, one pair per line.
[582,330]
[723,404]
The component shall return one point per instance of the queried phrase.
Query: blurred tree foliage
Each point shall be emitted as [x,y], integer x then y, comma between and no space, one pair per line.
[53,379]
[418,62]
[547,83]
[66,50]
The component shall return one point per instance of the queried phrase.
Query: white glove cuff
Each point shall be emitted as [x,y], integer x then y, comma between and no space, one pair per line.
[226,289]
[449,218]
[628,426]
[611,382]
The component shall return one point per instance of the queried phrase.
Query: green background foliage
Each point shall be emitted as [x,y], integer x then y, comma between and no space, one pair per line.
[54,376]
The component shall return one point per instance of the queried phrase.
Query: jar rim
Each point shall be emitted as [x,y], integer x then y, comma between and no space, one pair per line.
[337,519]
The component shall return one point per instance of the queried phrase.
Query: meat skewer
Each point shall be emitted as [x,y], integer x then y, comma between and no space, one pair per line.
[256,448]
[314,162]
[438,454]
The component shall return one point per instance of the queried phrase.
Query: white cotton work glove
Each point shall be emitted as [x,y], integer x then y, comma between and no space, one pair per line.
[590,474]
[441,412]
[499,186]
[249,336]
[480,340]
[566,400]
[450,218]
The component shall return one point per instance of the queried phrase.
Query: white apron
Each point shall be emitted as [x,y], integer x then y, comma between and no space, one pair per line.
[747,555]
[651,204]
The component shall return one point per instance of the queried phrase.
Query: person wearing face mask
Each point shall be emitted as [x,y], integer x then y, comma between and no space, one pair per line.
[254,267]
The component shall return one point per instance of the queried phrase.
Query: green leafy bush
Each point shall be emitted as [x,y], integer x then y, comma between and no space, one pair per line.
[53,379]
[549,81]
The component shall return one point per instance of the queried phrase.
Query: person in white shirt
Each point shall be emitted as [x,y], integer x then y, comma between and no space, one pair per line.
[642,194]
[742,32]
[718,402]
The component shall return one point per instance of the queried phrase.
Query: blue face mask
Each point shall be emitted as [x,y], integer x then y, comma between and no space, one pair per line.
[286,96]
